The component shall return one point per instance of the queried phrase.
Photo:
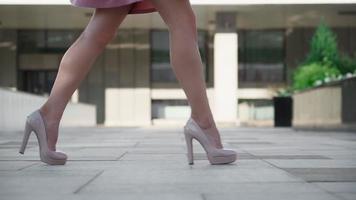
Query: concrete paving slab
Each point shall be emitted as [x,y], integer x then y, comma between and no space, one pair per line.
[151,163]
[314,163]
[272,196]
[337,187]
[43,181]
[324,174]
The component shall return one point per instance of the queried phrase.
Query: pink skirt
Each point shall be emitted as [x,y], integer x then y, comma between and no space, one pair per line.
[139,6]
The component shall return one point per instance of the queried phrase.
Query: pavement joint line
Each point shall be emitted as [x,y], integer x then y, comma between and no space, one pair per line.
[334,194]
[72,160]
[136,144]
[154,153]
[283,169]
[122,155]
[89,161]
[88,182]
[7,160]
[202,195]
[27,166]
[332,181]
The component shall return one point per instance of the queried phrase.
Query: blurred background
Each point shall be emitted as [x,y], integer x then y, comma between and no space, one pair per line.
[132,82]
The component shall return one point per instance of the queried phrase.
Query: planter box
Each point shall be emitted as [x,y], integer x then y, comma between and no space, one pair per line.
[331,106]
[283,110]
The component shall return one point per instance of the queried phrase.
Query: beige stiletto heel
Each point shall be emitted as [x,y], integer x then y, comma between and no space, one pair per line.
[189,141]
[215,156]
[35,123]
[26,136]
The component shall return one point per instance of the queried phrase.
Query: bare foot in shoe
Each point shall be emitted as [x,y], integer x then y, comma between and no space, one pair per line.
[51,127]
[212,132]
[214,136]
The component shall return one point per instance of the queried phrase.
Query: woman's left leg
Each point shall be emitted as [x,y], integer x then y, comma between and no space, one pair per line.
[186,60]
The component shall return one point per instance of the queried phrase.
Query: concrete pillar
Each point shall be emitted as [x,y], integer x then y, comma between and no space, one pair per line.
[127,92]
[225,69]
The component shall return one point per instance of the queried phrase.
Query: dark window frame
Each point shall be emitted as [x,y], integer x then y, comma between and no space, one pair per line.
[45,50]
[256,83]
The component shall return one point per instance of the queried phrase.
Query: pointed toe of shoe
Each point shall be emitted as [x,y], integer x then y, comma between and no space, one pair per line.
[62,155]
[232,154]
[57,155]
[223,156]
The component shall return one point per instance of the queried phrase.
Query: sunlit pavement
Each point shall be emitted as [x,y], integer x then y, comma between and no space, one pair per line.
[151,163]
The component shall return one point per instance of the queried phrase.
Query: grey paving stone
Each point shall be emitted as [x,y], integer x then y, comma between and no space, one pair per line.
[250,143]
[313,163]
[32,196]
[346,196]
[337,187]
[211,187]
[43,182]
[75,165]
[270,196]
[125,195]
[155,150]
[286,152]
[132,175]
[96,154]
[15,165]
[324,174]
[154,157]
[288,157]
[151,163]
[279,157]
[343,154]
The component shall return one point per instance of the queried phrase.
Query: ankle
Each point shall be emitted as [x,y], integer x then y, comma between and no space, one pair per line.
[50,117]
[204,122]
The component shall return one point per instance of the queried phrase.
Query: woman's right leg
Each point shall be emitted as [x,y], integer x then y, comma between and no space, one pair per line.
[77,62]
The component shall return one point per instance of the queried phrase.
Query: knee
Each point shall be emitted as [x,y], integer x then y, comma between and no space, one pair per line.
[99,38]
[184,23]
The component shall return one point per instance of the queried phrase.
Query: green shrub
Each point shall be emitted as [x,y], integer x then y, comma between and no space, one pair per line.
[346,64]
[308,75]
[323,60]
[323,47]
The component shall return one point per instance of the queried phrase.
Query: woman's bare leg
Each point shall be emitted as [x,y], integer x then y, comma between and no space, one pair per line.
[77,62]
[186,60]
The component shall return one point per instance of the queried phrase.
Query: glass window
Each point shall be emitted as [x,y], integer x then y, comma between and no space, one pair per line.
[31,41]
[60,39]
[42,49]
[161,70]
[45,41]
[39,81]
[170,109]
[261,57]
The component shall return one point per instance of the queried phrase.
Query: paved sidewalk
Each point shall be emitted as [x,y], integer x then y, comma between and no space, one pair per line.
[151,163]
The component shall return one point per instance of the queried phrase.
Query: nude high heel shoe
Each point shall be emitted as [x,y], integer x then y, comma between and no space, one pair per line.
[35,123]
[215,156]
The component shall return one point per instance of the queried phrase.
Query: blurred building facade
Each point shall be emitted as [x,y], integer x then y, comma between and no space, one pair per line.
[132,82]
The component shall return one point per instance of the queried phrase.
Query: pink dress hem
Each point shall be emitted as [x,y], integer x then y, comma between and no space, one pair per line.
[139,6]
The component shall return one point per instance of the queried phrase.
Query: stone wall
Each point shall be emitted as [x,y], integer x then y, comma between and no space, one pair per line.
[15,106]
[331,106]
